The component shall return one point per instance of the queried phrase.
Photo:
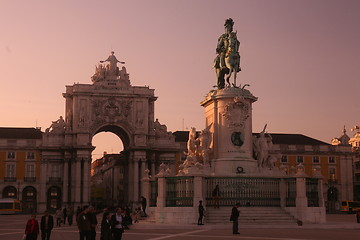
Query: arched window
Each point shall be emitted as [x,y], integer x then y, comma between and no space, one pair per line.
[54,198]
[9,192]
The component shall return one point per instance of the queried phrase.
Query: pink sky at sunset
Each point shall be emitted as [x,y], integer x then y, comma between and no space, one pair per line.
[301,59]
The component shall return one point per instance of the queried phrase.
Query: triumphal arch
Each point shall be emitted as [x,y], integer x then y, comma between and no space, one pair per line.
[109,104]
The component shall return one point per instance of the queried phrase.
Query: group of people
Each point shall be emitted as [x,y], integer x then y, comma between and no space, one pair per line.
[235,211]
[32,228]
[112,225]
[234,217]
[67,213]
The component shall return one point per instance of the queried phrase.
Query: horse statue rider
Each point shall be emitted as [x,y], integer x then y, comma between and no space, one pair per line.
[227,60]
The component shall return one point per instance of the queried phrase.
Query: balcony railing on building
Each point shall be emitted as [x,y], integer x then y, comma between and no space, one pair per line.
[9,179]
[57,180]
[29,179]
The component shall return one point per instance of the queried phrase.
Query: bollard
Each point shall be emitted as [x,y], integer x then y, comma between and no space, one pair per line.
[358,216]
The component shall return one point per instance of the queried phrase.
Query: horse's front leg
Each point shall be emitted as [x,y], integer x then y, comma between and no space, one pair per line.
[228,76]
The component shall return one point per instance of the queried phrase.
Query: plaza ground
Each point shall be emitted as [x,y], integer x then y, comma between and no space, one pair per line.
[338,226]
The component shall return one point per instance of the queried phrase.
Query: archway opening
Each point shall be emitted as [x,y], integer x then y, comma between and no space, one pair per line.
[106,142]
[109,168]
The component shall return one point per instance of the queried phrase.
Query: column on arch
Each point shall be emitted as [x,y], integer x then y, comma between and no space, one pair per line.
[138,156]
[77,180]
[65,181]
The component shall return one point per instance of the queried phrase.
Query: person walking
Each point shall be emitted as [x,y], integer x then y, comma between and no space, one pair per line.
[83,224]
[117,224]
[93,222]
[32,228]
[235,218]
[58,216]
[64,214]
[46,225]
[105,233]
[70,214]
[143,205]
[78,211]
[201,213]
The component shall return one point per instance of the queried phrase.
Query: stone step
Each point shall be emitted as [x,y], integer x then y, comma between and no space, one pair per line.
[255,215]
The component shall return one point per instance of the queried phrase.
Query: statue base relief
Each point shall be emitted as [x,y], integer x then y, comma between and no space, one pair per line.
[229,112]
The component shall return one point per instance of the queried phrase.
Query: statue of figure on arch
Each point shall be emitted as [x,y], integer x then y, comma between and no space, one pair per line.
[57,126]
[112,66]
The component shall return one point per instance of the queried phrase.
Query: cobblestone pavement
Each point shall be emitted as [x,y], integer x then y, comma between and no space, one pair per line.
[343,227]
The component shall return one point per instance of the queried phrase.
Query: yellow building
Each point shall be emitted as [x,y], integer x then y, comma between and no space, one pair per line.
[335,163]
[20,165]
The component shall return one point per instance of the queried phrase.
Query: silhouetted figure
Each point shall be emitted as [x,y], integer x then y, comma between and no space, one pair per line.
[235,218]
[201,213]
[46,225]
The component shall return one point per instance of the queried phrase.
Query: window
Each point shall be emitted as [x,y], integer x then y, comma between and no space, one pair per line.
[284,159]
[316,159]
[332,160]
[300,159]
[332,174]
[10,170]
[55,170]
[11,155]
[30,170]
[30,155]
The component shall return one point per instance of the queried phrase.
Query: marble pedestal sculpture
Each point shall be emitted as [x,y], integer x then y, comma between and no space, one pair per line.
[229,111]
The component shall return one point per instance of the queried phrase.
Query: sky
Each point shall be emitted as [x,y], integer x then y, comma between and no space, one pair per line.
[301,59]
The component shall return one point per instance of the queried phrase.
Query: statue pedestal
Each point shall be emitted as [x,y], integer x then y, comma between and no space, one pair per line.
[229,110]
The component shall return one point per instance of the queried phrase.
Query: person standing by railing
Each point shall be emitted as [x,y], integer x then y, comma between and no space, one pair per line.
[235,218]
[201,213]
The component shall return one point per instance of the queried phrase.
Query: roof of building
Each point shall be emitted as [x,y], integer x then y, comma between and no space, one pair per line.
[20,133]
[277,138]
[294,139]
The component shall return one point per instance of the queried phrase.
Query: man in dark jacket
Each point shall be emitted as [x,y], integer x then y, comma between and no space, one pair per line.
[234,217]
[83,223]
[46,225]
[93,222]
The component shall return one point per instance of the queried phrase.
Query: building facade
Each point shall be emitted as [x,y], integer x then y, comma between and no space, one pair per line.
[20,157]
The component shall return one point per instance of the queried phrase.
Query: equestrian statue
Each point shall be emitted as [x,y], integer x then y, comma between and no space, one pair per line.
[227,61]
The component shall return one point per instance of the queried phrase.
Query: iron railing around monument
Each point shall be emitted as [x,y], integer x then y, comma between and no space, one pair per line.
[248,191]
[179,191]
[312,192]
[153,193]
[290,200]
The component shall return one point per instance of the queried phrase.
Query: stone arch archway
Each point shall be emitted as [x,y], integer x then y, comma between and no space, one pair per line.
[109,104]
